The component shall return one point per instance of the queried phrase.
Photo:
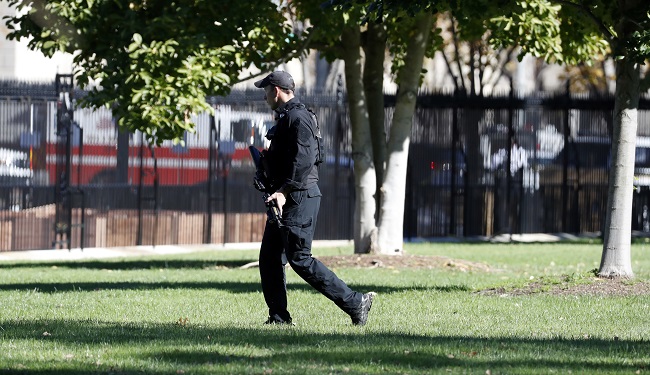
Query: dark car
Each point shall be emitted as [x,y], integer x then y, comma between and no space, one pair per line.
[431,165]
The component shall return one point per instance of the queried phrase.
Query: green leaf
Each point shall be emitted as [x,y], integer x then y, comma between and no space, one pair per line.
[49,45]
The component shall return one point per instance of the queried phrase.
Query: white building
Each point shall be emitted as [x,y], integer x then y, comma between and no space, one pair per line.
[18,62]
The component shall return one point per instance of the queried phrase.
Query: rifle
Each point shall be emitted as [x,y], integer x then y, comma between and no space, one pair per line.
[260,181]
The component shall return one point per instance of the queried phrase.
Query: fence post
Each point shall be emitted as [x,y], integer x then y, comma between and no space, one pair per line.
[63,211]
[138,237]
[454,169]
[156,205]
[207,228]
[511,136]
[565,159]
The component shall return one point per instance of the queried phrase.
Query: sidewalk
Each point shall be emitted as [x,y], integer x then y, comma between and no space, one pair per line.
[126,251]
[129,251]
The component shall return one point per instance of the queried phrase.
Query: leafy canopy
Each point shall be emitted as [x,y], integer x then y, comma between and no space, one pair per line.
[337,14]
[155,62]
[567,31]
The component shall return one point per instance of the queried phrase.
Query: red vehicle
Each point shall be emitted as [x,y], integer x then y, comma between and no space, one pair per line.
[171,164]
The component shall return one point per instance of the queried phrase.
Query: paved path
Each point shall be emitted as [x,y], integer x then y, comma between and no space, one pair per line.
[116,252]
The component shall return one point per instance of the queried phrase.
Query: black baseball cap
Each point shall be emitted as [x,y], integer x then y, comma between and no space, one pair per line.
[279,79]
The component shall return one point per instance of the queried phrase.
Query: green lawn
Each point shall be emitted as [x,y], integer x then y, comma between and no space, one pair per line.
[201,314]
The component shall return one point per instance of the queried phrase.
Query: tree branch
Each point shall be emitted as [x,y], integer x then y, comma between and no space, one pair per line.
[500,67]
[608,34]
[451,72]
[457,57]
[482,68]
[644,84]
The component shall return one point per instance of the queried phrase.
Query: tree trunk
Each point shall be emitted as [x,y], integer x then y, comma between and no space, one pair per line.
[616,261]
[391,223]
[364,171]
[373,83]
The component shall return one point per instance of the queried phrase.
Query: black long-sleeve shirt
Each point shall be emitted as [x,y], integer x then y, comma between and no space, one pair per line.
[294,149]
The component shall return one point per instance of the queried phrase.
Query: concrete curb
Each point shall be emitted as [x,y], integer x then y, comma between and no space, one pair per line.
[130,251]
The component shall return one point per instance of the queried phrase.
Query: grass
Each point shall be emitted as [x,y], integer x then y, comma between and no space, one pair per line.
[201,314]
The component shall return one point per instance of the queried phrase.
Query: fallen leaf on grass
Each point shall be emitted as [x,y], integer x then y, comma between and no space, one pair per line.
[182,321]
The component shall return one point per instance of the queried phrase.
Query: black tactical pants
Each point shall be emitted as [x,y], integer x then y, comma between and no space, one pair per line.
[292,243]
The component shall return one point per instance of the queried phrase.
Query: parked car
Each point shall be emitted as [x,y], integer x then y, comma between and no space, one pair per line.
[14,167]
[431,165]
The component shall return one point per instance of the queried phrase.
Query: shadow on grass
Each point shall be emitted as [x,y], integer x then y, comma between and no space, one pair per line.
[255,349]
[133,264]
[233,287]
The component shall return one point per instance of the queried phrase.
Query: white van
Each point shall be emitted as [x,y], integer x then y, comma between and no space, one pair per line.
[14,167]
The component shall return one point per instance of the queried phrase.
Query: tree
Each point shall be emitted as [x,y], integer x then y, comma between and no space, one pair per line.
[346,44]
[154,62]
[379,161]
[574,31]
[394,186]
[585,29]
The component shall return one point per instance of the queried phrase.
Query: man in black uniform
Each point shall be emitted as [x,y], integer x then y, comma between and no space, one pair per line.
[292,161]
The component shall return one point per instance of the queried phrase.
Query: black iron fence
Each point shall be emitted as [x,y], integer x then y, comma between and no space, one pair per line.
[477,166]
[70,178]
[537,164]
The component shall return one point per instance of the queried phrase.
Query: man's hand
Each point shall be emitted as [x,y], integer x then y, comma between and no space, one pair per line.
[280,199]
